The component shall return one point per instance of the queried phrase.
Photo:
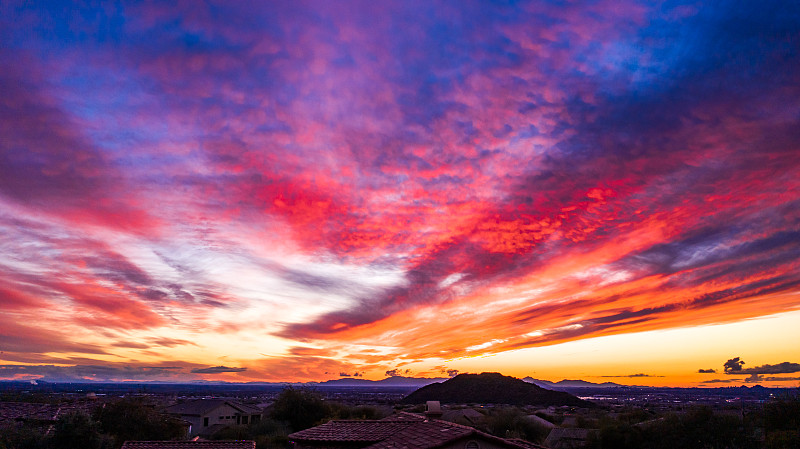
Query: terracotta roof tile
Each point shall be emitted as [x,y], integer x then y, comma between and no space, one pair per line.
[401,431]
[200,407]
[341,431]
[425,434]
[197,407]
[525,444]
[222,444]
[405,416]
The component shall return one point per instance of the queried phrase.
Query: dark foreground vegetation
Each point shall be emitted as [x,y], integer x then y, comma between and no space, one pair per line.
[112,423]
[294,409]
[771,424]
[108,426]
[776,426]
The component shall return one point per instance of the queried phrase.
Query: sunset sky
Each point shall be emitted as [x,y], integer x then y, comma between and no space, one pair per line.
[303,191]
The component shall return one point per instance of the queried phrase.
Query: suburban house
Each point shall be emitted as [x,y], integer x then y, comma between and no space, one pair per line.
[402,430]
[207,416]
[466,416]
[541,421]
[569,438]
[221,444]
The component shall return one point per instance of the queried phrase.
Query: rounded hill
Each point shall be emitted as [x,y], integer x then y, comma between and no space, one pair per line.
[492,388]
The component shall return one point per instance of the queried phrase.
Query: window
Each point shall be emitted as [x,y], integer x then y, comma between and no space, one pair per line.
[472,445]
[205,422]
[244,419]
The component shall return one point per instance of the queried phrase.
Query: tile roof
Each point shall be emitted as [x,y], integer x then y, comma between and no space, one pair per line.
[19,411]
[470,415]
[396,432]
[211,430]
[525,444]
[562,437]
[541,421]
[247,408]
[344,431]
[426,434]
[221,444]
[200,407]
[404,416]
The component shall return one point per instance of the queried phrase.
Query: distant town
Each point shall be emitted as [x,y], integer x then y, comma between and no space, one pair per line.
[473,411]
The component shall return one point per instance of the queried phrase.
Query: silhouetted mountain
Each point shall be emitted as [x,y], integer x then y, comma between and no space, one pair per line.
[492,388]
[394,381]
[570,383]
[411,381]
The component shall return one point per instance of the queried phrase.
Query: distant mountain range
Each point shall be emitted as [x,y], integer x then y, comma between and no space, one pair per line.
[394,381]
[492,388]
[401,381]
[570,384]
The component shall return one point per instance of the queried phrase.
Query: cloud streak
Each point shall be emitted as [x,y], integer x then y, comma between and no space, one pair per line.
[636,375]
[217,370]
[780,368]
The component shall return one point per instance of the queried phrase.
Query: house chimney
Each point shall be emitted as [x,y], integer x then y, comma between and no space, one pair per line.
[433,410]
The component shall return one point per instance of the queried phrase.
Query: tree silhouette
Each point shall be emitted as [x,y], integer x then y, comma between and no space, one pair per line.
[76,430]
[300,407]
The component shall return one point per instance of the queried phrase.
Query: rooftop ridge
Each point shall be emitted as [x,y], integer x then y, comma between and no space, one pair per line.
[377,420]
[398,433]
